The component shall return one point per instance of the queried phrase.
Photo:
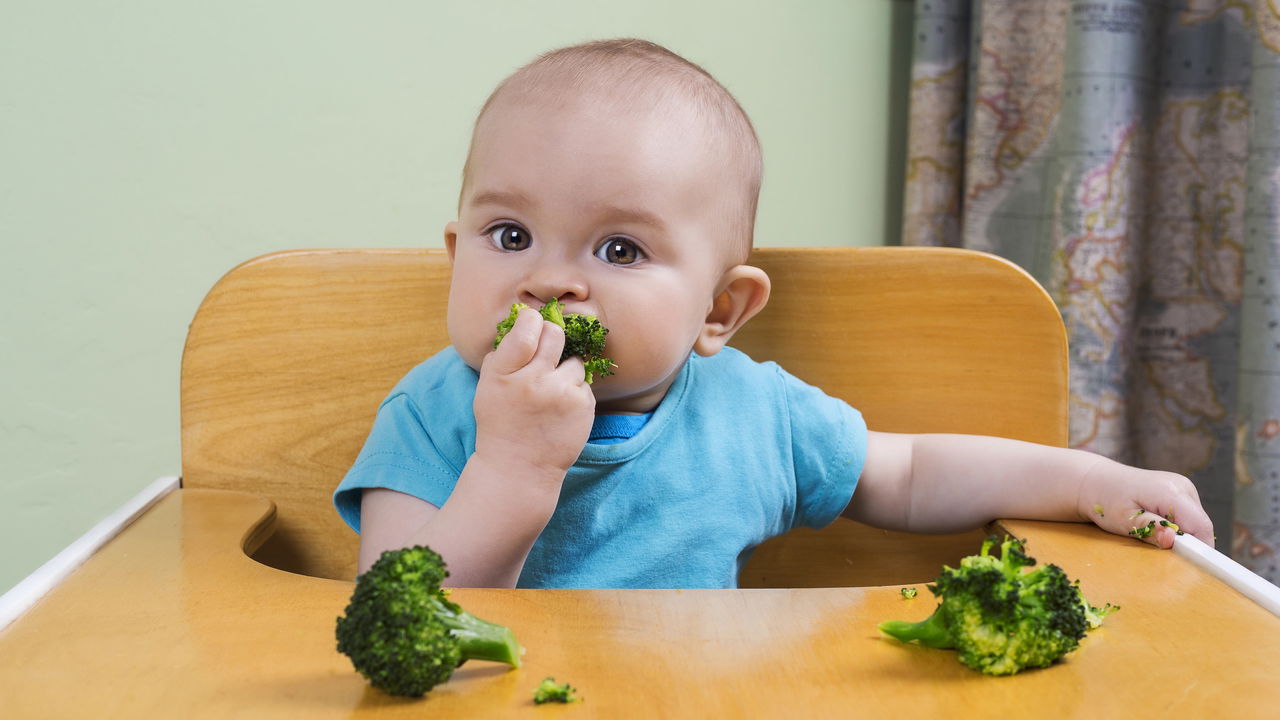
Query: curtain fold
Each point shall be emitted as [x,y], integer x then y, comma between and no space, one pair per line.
[1127,154]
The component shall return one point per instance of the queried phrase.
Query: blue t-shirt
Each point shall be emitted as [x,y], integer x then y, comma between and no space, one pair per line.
[737,452]
[615,428]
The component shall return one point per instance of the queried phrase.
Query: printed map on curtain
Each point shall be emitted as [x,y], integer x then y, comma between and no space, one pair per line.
[1127,154]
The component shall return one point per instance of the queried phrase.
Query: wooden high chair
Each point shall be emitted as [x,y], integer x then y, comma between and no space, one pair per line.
[290,354]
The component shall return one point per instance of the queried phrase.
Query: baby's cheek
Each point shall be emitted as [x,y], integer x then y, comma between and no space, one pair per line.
[651,358]
[471,346]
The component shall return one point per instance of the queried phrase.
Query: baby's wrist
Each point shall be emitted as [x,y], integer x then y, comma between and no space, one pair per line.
[513,472]
[514,508]
[1089,499]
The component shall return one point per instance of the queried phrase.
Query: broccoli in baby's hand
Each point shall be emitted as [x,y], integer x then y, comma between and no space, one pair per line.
[404,635]
[551,691]
[1143,532]
[583,335]
[1001,619]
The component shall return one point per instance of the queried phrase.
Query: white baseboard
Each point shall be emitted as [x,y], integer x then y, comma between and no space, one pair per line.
[33,587]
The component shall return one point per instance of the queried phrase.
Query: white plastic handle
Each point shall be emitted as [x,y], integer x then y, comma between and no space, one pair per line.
[1252,586]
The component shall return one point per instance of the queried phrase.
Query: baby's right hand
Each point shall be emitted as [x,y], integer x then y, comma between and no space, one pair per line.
[533,412]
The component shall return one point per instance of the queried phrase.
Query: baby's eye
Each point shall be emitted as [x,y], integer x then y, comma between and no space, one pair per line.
[510,237]
[620,251]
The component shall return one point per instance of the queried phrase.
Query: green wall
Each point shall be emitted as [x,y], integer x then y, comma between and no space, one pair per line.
[147,147]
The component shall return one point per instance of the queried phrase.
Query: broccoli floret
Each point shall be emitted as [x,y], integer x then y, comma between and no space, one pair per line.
[583,336]
[1001,618]
[404,635]
[505,325]
[909,593]
[551,691]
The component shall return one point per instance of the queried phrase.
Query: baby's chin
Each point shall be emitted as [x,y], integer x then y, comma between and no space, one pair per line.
[619,394]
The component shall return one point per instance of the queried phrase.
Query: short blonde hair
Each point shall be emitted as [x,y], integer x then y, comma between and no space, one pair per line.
[629,68]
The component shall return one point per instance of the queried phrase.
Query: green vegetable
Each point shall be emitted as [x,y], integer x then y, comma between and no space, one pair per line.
[1001,618]
[583,335]
[1144,531]
[551,691]
[402,632]
[909,593]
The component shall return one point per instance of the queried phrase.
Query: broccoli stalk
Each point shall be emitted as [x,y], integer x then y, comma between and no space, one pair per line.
[402,632]
[930,632]
[1001,619]
[583,336]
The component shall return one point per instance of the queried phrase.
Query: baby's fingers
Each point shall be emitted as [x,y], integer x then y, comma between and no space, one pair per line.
[1160,526]
[1151,528]
[1193,520]
[573,369]
[550,345]
[519,345]
[1178,504]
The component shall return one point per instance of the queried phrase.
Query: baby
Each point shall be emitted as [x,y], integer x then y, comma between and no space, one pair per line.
[623,180]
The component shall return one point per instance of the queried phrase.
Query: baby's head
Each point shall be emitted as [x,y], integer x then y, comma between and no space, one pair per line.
[622,179]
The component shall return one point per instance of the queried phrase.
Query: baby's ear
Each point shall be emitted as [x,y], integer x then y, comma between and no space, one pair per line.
[743,292]
[451,238]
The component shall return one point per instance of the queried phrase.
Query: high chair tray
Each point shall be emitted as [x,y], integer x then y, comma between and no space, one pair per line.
[173,619]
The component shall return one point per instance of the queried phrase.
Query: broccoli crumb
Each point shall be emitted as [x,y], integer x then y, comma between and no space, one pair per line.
[551,691]
[1099,509]
[909,593]
[1144,531]
[1136,514]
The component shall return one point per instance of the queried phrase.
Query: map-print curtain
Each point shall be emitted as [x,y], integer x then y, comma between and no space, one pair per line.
[1127,154]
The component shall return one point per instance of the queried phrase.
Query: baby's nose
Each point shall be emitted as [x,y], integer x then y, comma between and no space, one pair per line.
[554,281]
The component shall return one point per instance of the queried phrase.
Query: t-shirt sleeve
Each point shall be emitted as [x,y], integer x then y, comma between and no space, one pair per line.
[829,447]
[398,455]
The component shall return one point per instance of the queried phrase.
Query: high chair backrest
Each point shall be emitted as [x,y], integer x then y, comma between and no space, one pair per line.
[290,354]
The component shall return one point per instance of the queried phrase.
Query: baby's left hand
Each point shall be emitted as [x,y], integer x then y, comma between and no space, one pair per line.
[1151,505]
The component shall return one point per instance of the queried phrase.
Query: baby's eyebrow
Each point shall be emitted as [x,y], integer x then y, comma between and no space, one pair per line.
[630,215]
[608,212]
[512,199]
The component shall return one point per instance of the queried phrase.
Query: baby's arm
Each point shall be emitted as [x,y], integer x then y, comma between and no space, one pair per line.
[533,415]
[950,483]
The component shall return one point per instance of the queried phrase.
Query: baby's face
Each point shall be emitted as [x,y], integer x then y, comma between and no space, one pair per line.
[622,216]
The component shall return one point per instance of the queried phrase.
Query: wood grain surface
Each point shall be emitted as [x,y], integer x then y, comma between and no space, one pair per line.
[290,354]
[173,619]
